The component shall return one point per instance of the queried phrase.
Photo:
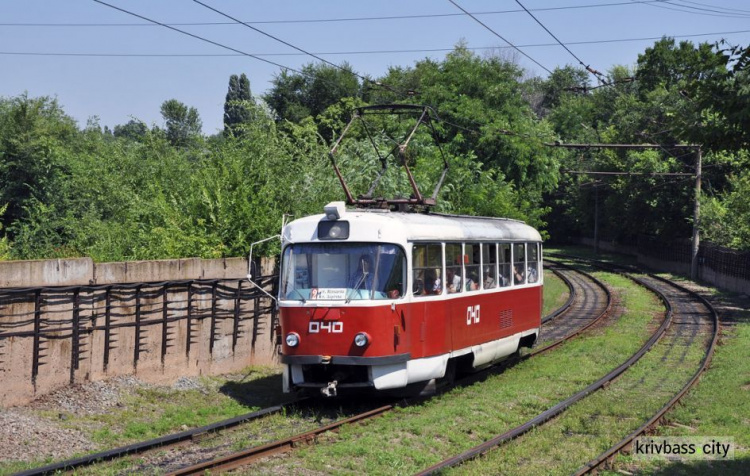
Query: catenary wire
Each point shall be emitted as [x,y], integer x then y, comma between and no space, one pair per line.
[373,52]
[258,30]
[687,9]
[326,20]
[588,68]
[500,36]
[727,9]
[694,9]
[196,36]
[283,67]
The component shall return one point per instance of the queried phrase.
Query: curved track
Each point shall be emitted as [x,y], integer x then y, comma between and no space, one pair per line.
[590,301]
[571,293]
[695,322]
[689,321]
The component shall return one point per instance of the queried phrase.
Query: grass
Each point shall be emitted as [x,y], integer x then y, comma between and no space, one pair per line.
[251,434]
[597,422]
[155,411]
[150,412]
[555,292]
[411,439]
[718,406]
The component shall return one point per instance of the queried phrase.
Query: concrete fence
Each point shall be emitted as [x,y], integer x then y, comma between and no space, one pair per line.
[72,320]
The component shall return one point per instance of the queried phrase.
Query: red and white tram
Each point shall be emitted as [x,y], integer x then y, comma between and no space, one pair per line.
[383,300]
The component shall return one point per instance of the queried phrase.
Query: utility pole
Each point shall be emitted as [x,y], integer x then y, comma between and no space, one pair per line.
[696,216]
[596,219]
[695,244]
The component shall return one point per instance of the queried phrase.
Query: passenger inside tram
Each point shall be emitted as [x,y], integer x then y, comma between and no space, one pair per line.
[433,285]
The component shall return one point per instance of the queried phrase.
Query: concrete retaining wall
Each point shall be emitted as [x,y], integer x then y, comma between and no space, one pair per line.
[131,318]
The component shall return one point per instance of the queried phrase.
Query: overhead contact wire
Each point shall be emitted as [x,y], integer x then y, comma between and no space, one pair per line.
[325,20]
[500,36]
[580,61]
[197,37]
[258,30]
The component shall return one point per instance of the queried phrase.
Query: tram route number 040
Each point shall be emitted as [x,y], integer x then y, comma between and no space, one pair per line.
[472,315]
[326,326]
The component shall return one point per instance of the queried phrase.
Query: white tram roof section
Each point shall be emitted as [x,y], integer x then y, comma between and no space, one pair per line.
[398,227]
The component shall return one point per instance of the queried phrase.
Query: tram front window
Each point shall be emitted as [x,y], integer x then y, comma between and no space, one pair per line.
[342,272]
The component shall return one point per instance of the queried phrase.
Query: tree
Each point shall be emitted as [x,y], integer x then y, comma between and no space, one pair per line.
[183,123]
[563,82]
[723,99]
[667,64]
[4,245]
[134,130]
[485,114]
[239,104]
[34,133]
[294,97]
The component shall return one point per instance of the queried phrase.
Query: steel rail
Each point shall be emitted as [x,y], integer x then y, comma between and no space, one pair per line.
[161,442]
[622,444]
[568,303]
[242,458]
[565,404]
[579,331]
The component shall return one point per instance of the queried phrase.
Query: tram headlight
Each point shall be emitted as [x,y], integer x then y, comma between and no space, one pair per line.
[361,339]
[292,339]
[333,230]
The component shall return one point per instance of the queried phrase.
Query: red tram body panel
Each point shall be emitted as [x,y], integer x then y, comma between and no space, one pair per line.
[385,300]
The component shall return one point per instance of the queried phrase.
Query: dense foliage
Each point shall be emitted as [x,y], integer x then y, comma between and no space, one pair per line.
[169,191]
[677,94]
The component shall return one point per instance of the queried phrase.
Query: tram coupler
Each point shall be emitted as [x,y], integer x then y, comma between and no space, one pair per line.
[330,389]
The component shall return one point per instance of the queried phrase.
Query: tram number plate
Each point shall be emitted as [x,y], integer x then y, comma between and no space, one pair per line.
[472,315]
[326,326]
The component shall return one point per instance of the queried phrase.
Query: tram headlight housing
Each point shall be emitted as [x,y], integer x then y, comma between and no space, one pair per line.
[361,339]
[292,339]
[333,230]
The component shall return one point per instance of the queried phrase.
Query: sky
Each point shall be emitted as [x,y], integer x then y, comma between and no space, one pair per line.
[108,65]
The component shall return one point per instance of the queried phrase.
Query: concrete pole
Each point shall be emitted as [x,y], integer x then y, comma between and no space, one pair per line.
[696,218]
[596,219]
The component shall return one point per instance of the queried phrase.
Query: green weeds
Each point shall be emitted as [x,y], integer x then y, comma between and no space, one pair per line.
[555,293]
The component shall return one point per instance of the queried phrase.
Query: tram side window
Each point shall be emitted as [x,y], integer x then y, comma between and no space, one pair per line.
[454,258]
[427,265]
[472,270]
[489,266]
[532,262]
[505,264]
[519,265]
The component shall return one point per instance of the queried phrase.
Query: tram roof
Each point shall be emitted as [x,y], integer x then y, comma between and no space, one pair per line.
[401,227]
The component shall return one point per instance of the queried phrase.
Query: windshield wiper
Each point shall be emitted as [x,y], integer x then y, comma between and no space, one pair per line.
[356,287]
[300,295]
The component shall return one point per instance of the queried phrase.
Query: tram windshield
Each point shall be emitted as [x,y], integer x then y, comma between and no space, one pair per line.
[342,271]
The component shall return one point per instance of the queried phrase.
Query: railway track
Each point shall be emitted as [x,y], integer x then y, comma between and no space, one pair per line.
[595,308]
[590,301]
[690,320]
[695,321]
[588,297]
